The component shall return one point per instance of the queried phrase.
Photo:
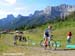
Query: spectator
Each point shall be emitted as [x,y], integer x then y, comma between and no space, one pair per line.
[69,36]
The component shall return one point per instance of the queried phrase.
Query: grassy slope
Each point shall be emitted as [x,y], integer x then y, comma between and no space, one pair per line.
[60,31]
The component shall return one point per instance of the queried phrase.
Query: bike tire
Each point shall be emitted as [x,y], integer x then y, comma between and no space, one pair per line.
[52,45]
[42,43]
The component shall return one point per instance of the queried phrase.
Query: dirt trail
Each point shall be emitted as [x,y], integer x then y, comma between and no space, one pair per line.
[38,51]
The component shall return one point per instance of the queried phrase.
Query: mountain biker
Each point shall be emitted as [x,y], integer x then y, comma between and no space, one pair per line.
[16,37]
[19,36]
[47,36]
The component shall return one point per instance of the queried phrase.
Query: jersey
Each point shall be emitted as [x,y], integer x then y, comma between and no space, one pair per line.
[47,33]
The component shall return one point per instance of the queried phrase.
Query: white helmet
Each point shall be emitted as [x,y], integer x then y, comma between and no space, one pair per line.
[17,31]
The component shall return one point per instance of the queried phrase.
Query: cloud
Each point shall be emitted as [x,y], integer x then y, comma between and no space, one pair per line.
[11,2]
[4,13]
[19,8]
[2,3]
[8,2]
[12,7]
[15,11]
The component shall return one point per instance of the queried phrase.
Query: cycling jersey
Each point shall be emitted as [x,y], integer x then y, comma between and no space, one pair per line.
[47,33]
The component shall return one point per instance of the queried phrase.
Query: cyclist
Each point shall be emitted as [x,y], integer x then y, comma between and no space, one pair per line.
[47,36]
[19,36]
[16,37]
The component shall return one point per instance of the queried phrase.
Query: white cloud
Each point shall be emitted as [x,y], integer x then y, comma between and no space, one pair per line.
[2,3]
[7,2]
[12,2]
[11,7]
[19,8]
[15,11]
[4,13]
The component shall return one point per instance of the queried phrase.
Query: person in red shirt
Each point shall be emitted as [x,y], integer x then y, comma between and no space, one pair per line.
[69,36]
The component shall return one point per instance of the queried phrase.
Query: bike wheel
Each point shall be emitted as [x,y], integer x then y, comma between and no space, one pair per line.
[42,43]
[52,45]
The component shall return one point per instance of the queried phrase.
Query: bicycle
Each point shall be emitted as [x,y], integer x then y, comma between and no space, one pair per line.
[19,42]
[52,44]
[25,41]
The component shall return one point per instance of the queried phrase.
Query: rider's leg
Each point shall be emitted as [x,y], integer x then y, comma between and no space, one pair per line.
[46,42]
[49,42]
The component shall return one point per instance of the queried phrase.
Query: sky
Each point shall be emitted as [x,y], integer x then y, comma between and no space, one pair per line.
[26,7]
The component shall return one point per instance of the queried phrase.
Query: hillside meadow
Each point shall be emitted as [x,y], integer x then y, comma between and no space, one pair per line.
[60,30]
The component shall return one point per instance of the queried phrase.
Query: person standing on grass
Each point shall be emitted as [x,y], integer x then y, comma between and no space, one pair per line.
[69,36]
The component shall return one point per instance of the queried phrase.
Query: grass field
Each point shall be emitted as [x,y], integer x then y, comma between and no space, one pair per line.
[59,33]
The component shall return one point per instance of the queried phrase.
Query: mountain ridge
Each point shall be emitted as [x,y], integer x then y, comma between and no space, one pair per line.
[39,17]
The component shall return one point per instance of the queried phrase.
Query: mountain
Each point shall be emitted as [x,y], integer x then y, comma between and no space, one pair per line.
[6,23]
[50,13]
